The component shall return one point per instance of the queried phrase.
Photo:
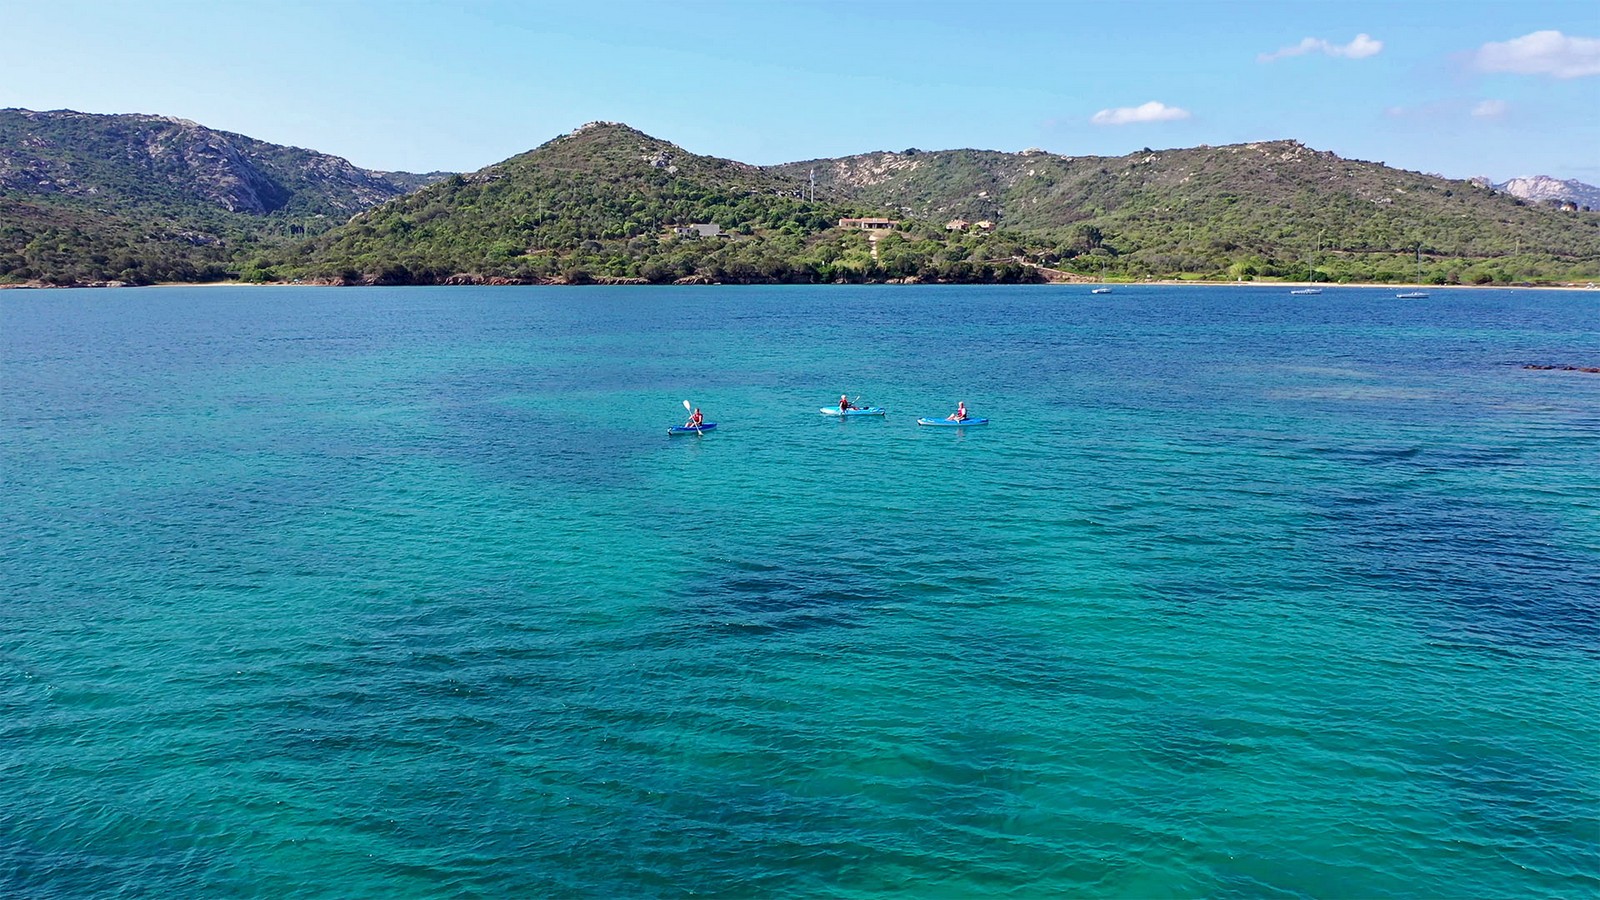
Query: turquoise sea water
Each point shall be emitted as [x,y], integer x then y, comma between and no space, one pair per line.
[406,592]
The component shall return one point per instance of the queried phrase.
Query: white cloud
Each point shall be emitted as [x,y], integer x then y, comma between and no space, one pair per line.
[1361,47]
[1541,53]
[1490,109]
[1450,110]
[1147,112]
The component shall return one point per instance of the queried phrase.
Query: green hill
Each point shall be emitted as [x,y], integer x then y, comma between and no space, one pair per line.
[138,198]
[604,204]
[1271,208]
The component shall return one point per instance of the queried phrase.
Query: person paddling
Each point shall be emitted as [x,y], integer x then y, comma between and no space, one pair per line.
[844,403]
[960,415]
[695,419]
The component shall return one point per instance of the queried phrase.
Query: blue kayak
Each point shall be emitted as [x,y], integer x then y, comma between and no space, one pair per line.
[868,411]
[946,423]
[684,429]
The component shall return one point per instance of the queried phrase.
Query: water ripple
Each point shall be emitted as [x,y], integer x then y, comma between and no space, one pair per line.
[413,596]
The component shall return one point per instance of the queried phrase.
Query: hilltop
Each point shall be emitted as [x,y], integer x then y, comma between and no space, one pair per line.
[141,198]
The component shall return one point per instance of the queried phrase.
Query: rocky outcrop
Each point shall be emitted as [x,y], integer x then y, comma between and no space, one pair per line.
[1543,188]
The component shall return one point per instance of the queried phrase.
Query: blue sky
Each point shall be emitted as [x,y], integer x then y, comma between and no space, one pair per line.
[1461,88]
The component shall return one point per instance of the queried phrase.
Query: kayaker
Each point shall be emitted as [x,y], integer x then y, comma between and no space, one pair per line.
[960,415]
[844,403]
[694,419]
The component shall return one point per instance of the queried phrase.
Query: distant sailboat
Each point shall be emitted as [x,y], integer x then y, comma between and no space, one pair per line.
[1102,289]
[1414,295]
[1311,273]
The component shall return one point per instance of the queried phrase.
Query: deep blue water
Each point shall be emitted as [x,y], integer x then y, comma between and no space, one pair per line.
[406,592]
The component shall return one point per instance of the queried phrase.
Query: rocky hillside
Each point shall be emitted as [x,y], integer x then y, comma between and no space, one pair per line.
[136,199]
[129,160]
[968,184]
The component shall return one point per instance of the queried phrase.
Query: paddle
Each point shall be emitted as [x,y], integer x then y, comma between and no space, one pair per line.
[690,409]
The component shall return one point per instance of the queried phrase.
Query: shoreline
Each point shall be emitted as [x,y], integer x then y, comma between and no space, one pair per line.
[1167,282]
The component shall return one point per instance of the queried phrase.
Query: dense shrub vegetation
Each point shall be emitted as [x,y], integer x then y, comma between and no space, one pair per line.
[1270,210]
[141,199]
